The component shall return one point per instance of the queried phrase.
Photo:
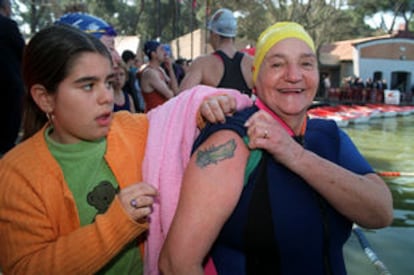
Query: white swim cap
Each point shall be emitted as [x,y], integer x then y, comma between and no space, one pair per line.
[223,23]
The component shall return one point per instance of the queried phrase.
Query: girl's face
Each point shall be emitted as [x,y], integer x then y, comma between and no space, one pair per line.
[288,78]
[82,106]
[120,78]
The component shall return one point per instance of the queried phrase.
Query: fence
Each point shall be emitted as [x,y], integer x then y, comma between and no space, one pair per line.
[363,95]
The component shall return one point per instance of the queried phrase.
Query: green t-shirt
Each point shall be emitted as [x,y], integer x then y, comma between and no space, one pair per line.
[94,187]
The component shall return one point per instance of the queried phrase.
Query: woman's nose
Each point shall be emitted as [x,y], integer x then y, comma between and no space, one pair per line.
[293,73]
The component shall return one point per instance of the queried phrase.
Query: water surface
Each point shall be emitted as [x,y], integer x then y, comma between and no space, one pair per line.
[388,144]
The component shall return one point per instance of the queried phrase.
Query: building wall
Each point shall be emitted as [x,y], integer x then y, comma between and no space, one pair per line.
[369,66]
[394,51]
[127,43]
[190,45]
[346,69]
[394,58]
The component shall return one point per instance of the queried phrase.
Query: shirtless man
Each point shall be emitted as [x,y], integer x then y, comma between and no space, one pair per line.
[156,85]
[226,67]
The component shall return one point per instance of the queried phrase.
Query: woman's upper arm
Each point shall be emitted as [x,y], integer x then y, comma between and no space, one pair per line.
[350,158]
[211,187]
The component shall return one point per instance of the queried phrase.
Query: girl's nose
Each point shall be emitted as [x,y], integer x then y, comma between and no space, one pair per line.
[106,95]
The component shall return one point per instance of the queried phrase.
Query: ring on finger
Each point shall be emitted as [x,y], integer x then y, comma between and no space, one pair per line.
[133,203]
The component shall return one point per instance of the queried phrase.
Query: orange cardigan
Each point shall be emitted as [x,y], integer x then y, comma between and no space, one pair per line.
[40,231]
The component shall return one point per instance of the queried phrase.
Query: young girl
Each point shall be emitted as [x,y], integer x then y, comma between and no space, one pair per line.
[122,100]
[72,200]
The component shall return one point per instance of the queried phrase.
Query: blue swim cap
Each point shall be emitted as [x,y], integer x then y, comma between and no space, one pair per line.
[87,23]
[167,49]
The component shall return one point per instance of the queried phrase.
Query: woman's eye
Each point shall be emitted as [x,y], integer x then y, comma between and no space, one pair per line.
[308,65]
[276,65]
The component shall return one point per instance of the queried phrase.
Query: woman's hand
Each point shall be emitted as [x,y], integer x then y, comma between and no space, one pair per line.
[266,133]
[137,200]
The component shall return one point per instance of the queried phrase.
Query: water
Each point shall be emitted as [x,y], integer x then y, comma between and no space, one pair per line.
[388,144]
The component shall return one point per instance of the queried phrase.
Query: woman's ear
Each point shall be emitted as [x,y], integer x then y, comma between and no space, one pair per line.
[43,99]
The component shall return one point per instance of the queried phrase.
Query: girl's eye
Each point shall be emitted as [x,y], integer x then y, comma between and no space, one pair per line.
[110,84]
[88,87]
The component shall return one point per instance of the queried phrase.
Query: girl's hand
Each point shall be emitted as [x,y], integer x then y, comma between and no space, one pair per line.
[214,108]
[137,200]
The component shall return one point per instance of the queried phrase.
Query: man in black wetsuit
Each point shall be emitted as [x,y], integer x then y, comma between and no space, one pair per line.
[226,67]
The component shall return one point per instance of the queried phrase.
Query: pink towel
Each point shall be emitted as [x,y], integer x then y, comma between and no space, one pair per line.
[171,135]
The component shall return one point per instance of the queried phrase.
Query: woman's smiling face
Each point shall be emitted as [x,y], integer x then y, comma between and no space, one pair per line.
[288,77]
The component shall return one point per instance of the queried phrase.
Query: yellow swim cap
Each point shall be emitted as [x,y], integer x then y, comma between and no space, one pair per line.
[274,34]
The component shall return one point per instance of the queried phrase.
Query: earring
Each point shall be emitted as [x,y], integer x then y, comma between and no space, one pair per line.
[50,117]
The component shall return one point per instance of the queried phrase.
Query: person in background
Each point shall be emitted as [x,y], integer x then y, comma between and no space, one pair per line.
[326,81]
[157,85]
[96,27]
[369,83]
[178,70]
[71,193]
[183,65]
[381,84]
[11,50]
[132,85]
[226,67]
[296,187]
[139,63]
[358,83]
[129,59]
[122,99]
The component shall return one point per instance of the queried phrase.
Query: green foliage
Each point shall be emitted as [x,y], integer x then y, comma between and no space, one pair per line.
[326,20]
[398,8]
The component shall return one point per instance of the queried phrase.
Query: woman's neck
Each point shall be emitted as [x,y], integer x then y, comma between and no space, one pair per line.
[292,125]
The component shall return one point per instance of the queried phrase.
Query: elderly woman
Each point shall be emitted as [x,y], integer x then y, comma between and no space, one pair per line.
[271,191]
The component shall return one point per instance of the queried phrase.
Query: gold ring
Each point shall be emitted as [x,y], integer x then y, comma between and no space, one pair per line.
[266,134]
[134,203]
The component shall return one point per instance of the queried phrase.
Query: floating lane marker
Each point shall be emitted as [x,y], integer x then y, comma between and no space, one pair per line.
[395,174]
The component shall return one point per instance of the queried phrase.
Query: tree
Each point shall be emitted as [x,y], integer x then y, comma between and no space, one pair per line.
[326,20]
[398,8]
